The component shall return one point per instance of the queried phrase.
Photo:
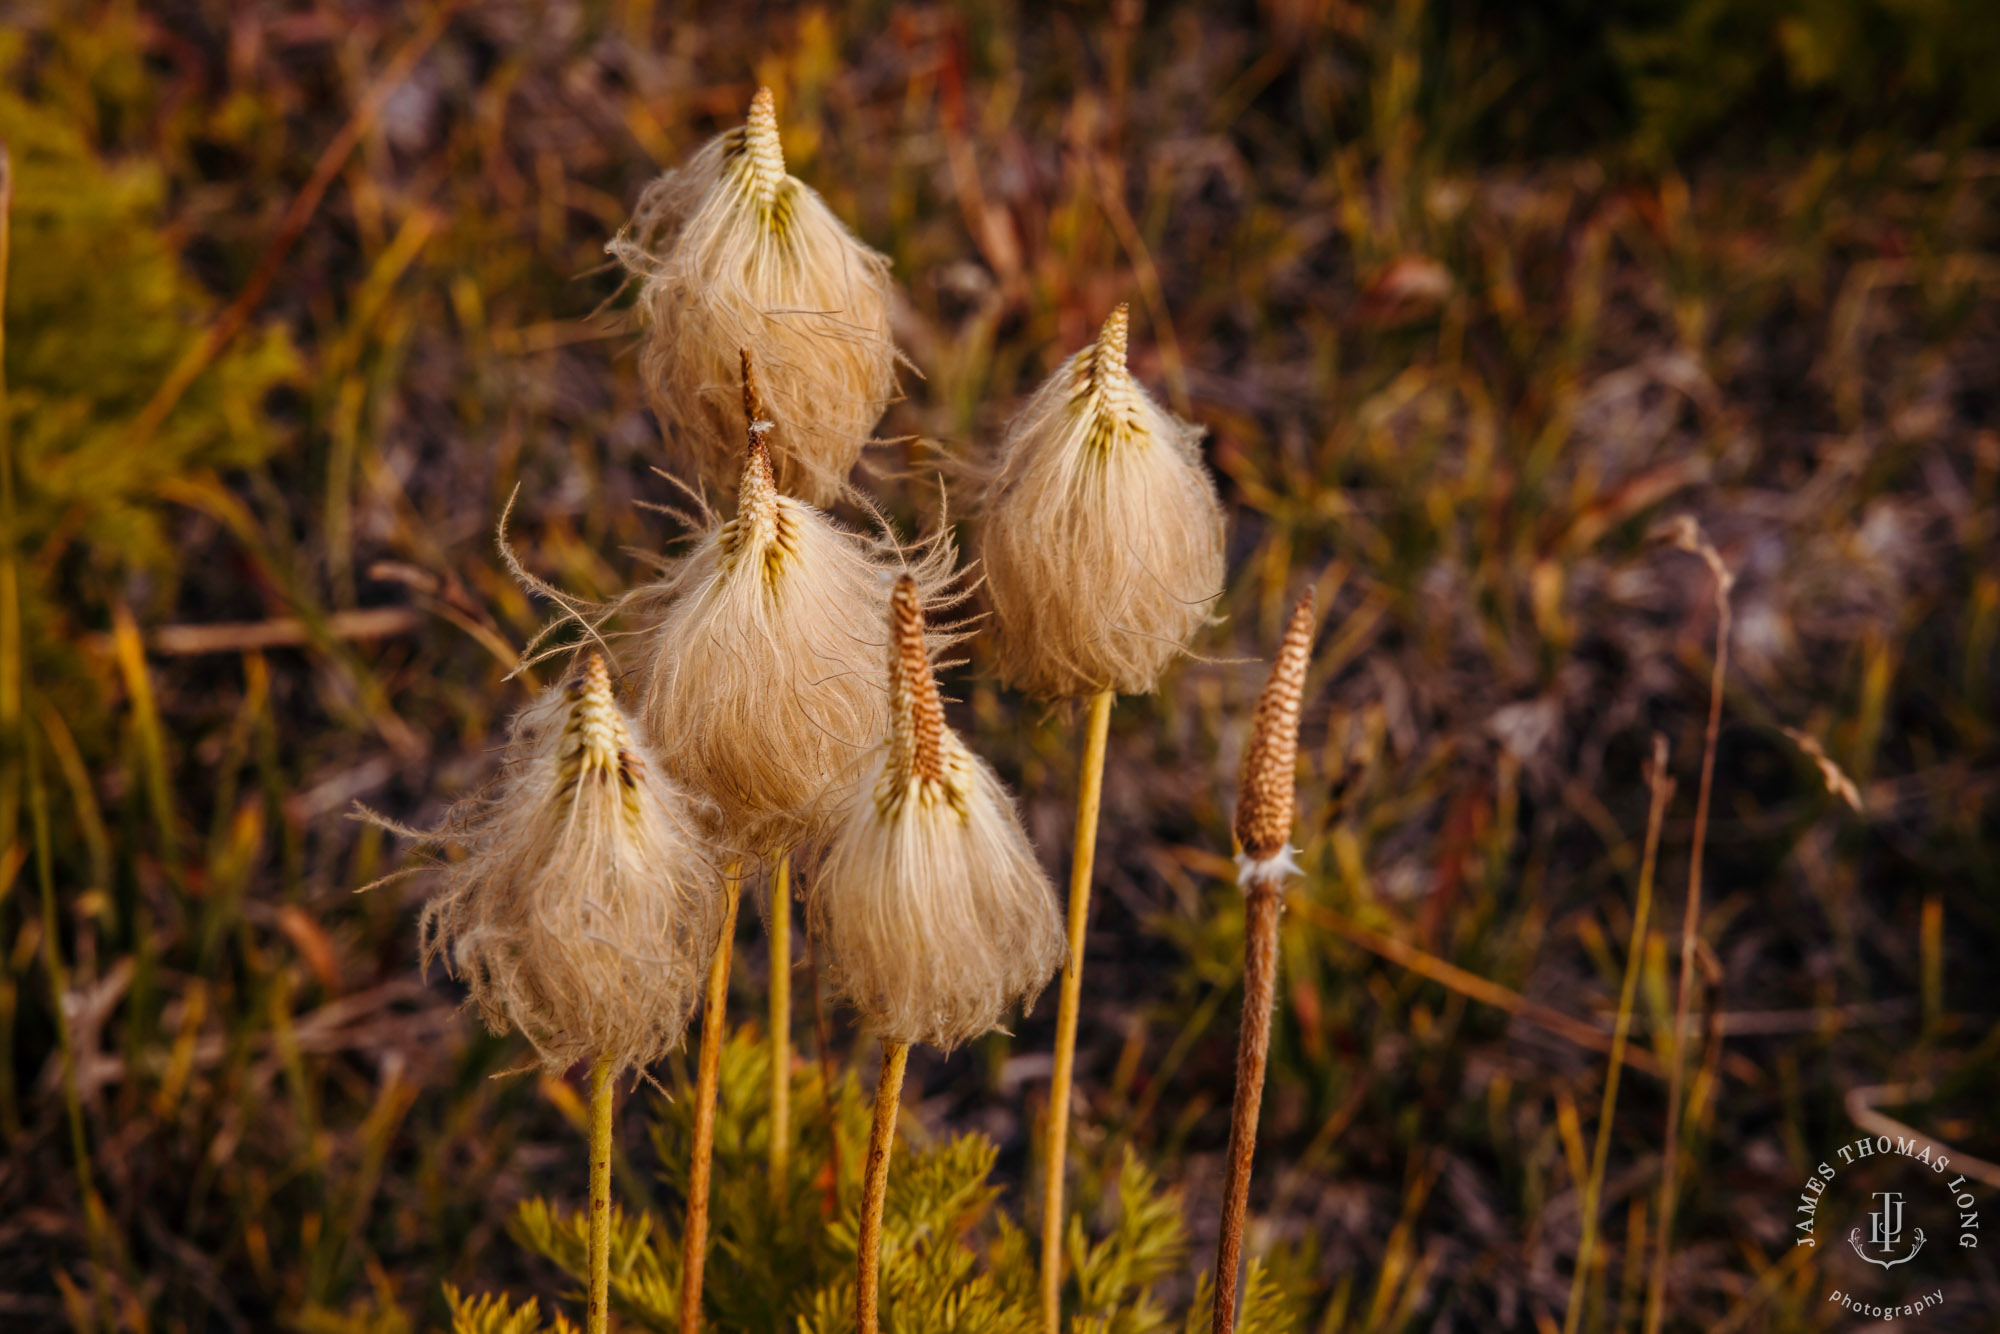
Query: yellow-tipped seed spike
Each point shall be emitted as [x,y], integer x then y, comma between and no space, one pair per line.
[1264,829]
[762,151]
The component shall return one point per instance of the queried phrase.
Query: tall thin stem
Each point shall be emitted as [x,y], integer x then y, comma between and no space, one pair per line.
[781,1029]
[714,1030]
[1090,791]
[1253,1049]
[1628,989]
[599,1318]
[1656,1288]
[875,1184]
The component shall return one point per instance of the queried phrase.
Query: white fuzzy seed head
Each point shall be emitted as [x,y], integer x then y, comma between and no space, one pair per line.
[934,915]
[586,907]
[731,252]
[1100,532]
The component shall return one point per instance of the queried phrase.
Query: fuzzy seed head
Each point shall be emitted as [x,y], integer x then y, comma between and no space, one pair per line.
[1101,534]
[934,914]
[765,646]
[586,906]
[1270,764]
[732,252]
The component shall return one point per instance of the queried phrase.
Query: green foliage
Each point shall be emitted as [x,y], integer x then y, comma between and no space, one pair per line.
[495,1315]
[952,1261]
[99,309]
[1793,64]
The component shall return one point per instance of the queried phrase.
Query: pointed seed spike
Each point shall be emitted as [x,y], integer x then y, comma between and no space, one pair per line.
[760,141]
[918,712]
[1111,339]
[594,721]
[1264,804]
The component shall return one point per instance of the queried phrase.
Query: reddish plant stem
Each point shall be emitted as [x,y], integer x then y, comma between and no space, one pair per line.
[1253,1050]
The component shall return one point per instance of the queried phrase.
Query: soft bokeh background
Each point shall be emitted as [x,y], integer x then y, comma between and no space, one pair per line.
[1471,297]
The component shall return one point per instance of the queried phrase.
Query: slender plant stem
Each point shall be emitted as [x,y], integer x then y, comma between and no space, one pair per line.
[1628,989]
[1656,1286]
[875,1184]
[823,1052]
[781,1029]
[599,1317]
[1089,792]
[1262,904]
[714,1031]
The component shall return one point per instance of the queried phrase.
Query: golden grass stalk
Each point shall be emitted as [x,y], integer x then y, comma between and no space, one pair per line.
[765,642]
[701,1156]
[597,1319]
[1263,832]
[1090,792]
[1661,785]
[875,1185]
[1101,536]
[1689,538]
[731,252]
[584,911]
[780,934]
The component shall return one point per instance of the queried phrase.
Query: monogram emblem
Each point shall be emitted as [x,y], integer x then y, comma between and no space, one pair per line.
[1885,1229]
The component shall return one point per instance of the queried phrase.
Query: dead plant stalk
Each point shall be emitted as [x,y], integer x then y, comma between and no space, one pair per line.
[1661,785]
[1689,538]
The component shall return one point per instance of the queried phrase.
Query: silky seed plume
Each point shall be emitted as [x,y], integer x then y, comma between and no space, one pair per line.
[1270,765]
[731,251]
[1101,535]
[764,682]
[934,914]
[586,906]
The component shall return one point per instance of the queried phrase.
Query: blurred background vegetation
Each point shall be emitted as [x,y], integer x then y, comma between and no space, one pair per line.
[1471,296]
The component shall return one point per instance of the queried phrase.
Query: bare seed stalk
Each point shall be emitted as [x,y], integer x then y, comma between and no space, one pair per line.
[1689,538]
[1090,791]
[598,1319]
[875,1184]
[714,1031]
[1253,1050]
[1263,827]
[1662,786]
[781,1029]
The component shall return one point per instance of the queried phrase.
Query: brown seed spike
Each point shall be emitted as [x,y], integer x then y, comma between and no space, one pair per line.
[917,714]
[1264,804]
